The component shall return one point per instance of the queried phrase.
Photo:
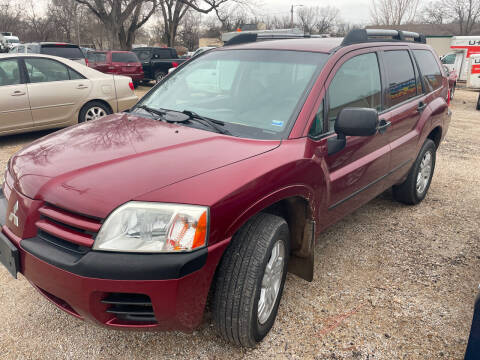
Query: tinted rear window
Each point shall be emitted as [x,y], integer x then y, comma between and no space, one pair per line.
[124,57]
[143,54]
[69,52]
[429,68]
[400,76]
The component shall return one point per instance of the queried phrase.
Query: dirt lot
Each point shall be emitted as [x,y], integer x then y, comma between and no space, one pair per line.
[391,282]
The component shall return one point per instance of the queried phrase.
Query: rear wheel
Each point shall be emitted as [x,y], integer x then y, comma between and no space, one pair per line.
[250,280]
[414,189]
[452,92]
[92,111]
[478,102]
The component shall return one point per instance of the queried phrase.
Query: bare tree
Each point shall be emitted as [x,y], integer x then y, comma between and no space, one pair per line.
[10,16]
[393,12]
[327,18]
[122,17]
[463,13]
[318,19]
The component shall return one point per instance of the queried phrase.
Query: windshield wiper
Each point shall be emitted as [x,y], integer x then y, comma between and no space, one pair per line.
[152,110]
[214,124]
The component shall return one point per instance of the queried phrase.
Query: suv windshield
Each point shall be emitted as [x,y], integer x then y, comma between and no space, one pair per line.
[65,51]
[124,57]
[256,93]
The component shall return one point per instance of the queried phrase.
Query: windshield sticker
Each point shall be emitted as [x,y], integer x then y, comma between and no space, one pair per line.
[277,122]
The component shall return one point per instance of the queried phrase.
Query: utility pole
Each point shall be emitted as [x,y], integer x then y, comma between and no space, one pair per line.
[291,15]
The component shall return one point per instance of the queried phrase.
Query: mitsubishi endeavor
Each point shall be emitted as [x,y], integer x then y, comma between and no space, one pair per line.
[221,178]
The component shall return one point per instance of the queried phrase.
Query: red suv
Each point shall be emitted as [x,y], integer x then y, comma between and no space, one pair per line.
[223,175]
[118,63]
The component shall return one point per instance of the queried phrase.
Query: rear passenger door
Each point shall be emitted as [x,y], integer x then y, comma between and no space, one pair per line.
[56,91]
[404,104]
[14,105]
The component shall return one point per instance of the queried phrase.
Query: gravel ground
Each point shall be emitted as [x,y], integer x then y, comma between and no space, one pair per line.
[391,282]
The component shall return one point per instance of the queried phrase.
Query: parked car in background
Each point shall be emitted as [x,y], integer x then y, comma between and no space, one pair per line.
[67,51]
[221,178]
[156,61]
[118,63]
[42,92]
[8,41]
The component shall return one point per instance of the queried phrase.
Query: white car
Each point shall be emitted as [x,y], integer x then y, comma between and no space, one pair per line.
[42,92]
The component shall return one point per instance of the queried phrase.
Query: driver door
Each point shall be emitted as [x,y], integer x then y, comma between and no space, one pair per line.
[355,173]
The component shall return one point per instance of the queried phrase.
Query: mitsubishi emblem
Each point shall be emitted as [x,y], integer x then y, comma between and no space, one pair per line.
[13,215]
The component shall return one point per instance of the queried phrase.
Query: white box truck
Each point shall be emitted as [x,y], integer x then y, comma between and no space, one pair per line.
[462,48]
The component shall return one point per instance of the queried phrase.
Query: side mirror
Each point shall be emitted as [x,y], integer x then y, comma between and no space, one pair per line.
[352,122]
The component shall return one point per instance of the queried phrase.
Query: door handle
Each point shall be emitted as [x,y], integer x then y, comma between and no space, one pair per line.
[81,86]
[383,126]
[421,106]
[18,93]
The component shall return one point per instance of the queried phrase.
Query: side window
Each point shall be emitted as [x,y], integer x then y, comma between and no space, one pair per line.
[356,84]
[9,72]
[429,69]
[401,76]
[20,49]
[448,59]
[162,54]
[317,125]
[74,75]
[143,55]
[46,70]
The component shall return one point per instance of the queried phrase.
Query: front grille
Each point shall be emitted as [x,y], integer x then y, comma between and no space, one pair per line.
[130,307]
[67,226]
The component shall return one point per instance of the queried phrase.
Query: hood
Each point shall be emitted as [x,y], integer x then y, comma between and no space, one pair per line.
[94,167]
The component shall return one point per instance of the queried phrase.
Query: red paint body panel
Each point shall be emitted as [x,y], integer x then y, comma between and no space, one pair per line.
[131,69]
[87,171]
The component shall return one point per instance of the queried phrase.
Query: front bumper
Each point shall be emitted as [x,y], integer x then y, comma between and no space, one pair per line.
[173,287]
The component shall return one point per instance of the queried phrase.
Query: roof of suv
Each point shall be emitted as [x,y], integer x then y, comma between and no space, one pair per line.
[315,43]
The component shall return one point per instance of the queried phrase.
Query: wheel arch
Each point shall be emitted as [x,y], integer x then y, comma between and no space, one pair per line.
[435,135]
[296,206]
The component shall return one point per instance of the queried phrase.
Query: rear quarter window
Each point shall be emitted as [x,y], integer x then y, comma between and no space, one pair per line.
[124,57]
[143,55]
[429,69]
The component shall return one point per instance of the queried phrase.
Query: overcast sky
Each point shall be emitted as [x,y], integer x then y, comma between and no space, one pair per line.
[353,11]
[350,10]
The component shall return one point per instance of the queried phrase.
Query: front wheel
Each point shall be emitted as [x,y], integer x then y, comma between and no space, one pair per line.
[478,102]
[414,189]
[250,280]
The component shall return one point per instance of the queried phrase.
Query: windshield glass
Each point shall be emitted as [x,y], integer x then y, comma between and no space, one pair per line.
[13,41]
[257,93]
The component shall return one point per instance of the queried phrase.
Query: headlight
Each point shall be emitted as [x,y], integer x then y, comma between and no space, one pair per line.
[154,227]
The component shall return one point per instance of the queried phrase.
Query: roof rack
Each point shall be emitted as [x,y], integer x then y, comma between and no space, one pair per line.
[370,35]
[243,38]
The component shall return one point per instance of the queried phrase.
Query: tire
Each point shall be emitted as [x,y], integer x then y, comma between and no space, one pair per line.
[452,92]
[159,75]
[478,102]
[240,276]
[92,111]
[414,189]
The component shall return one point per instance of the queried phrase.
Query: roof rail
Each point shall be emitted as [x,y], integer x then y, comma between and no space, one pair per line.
[369,35]
[243,38]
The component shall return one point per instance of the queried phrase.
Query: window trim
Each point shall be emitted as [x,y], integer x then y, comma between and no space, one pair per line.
[23,58]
